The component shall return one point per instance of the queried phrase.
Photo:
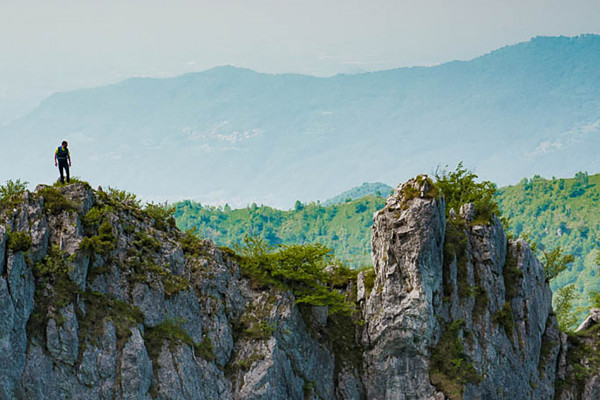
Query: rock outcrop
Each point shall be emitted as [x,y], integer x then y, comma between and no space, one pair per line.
[101,300]
[457,310]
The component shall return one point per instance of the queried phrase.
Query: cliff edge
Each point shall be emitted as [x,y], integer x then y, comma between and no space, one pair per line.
[100,299]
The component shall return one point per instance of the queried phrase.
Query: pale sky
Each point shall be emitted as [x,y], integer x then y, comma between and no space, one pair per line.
[56,45]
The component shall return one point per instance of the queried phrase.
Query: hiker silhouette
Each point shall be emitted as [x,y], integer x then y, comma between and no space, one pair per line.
[62,158]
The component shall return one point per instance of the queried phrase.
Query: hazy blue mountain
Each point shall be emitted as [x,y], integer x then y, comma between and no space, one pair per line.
[238,136]
[367,188]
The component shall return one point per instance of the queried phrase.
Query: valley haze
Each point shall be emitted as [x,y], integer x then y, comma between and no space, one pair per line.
[232,135]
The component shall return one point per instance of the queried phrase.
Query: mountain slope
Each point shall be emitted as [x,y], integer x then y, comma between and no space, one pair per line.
[560,212]
[237,136]
[374,189]
[345,228]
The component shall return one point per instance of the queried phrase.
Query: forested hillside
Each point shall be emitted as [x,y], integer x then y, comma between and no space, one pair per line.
[345,228]
[552,212]
[377,189]
[560,212]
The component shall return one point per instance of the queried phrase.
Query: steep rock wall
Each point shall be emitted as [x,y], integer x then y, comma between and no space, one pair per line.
[456,310]
[99,300]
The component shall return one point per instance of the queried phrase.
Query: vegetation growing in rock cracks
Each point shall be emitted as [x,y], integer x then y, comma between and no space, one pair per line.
[455,248]
[413,190]
[450,367]
[504,317]
[53,290]
[55,202]
[555,262]
[102,243]
[563,306]
[460,187]
[11,192]
[298,268]
[583,361]
[172,332]
[19,241]
[161,214]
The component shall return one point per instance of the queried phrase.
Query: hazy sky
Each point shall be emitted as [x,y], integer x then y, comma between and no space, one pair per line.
[48,45]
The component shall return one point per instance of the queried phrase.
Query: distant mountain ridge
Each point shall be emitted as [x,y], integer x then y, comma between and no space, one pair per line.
[238,136]
[376,189]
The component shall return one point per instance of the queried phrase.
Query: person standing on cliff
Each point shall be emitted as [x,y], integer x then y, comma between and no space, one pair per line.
[62,158]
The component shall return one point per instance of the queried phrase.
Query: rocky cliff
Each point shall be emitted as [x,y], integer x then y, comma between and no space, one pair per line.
[101,300]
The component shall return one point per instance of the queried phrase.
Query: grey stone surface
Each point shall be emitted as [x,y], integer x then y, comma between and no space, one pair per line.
[236,341]
[592,319]
[61,339]
[407,242]
[136,368]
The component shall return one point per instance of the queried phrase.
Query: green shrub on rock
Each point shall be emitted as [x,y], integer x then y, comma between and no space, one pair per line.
[11,192]
[451,367]
[460,187]
[161,214]
[102,244]
[55,202]
[298,268]
[19,241]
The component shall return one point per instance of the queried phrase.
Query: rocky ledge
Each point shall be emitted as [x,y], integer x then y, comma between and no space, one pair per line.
[102,300]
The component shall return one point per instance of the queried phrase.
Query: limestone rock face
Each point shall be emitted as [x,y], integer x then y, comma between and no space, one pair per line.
[443,285]
[578,375]
[111,302]
[401,326]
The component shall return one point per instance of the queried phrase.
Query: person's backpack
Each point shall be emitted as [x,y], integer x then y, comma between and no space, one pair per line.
[62,154]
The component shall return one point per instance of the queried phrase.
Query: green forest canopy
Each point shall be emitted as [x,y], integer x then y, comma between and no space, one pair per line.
[552,212]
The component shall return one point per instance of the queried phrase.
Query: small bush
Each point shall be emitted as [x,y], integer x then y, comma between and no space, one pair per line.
[55,202]
[556,262]
[512,276]
[191,244]
[252,327]
[124,197]
[450,367]
[172,332]
[92,219]
[146,243]
[19,241]
[455,248]
[161,214]
[563,306]
[459,187]
[174,284]
[53,266]
[206,349]
[299,268]
[11,192]
[102,244]
[412,190]
[504,318]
